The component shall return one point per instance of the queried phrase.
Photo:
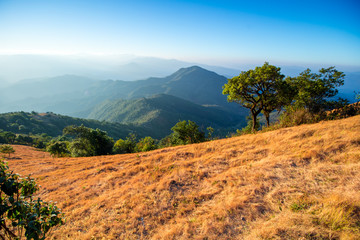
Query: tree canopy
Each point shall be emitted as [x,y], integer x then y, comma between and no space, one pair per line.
[315,90]
[187,133]
[89,142]
[260,90]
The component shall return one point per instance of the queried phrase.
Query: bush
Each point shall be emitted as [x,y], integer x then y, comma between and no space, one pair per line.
[145,144]
[187,133]
[57,149]
[297,116]
[345,111]
[81,148]
[125,146]
[18,210]
[249,127]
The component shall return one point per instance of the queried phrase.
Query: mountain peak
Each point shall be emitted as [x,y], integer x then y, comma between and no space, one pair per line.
[195,72]
[191,69]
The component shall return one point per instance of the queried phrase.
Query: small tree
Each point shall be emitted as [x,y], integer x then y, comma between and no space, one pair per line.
[187,133]
[19,211]
[7,149]
[145,144]
[210,132]
[314,90]
[260,90]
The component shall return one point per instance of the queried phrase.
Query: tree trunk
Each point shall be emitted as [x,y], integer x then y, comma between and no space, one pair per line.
[267,116]
[254,120]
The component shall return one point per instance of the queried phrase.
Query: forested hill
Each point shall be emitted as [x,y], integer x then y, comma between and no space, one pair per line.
[161,112]
[53,124]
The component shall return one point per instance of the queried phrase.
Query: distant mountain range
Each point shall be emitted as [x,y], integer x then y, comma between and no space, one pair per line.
[77,96]
[122,67]
[154,104]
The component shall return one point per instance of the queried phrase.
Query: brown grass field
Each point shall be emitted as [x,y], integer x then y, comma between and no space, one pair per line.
[293,183]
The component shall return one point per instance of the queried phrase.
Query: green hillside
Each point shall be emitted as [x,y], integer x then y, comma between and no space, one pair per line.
[53,124]
[161,112]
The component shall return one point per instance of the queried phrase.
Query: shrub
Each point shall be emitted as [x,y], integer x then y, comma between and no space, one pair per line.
[145,144]
[81,148]
[187,133]
[18,210]
[125,146]
[57,149]
[297,116]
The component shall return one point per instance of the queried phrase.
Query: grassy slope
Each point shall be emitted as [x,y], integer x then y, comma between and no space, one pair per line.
[294,183]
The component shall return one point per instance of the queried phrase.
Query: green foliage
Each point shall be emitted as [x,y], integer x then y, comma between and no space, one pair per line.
[187,133]
[81,148]
[313,90]
[19,211]
[145,144]
[210,132]
[7,149]
[161,112]
[7,137]
[249,127]
[125,146]
[88,142]
[260,90]
[53,124]
[58,148]
[299,206]
[24,140]
[166,142]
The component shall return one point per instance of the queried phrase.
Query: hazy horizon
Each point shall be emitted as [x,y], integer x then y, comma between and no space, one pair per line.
[220,33]
[18,67]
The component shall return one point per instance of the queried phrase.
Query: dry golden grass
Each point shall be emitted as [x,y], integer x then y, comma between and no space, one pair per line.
[293,183]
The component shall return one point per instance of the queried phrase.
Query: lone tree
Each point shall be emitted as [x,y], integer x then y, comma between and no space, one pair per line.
[261,90]
[7,149]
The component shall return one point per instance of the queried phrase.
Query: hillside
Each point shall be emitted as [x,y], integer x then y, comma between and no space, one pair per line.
[161,112]
[53,124]
[294,183]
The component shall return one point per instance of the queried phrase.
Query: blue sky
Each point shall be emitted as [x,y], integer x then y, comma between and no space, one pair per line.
[213,32]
